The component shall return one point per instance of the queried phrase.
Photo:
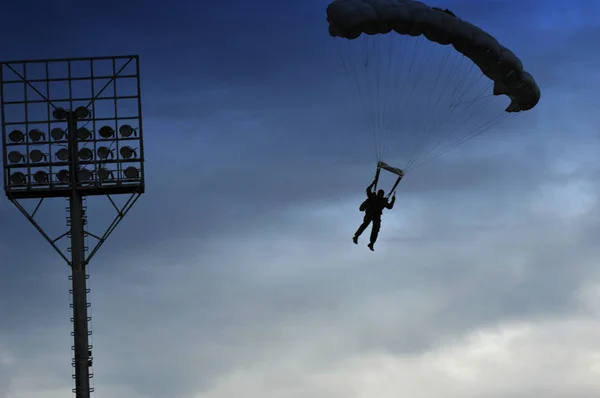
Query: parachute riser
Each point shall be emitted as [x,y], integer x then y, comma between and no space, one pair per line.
[379,167]
[394,187]
[376,178]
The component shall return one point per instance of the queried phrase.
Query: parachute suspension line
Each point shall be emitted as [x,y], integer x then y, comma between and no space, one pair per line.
[462,90]
[372,55]
[386,100]
[348,67]
[402,102]
[366,93]
[403,112]
[378,101]
[374,89]
[398,87]
[377,94]
[424,98]
[455,79]
[382,91]
[490,124]
[500,117]
[452,130]
[434,101]
[456,128]
[449,132]
[428,131]
[439,118]
[364,63]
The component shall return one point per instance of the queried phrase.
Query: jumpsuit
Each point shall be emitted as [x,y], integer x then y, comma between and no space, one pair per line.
[373,209]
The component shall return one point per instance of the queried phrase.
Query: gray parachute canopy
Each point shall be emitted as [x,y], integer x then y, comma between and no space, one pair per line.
[351,18]
[451,79]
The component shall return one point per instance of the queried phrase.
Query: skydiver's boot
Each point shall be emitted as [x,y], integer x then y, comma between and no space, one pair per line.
[370,246]
[355,240]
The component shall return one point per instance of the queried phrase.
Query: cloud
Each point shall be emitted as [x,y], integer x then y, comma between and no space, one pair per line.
[235,273]
[492,362]
[293,307]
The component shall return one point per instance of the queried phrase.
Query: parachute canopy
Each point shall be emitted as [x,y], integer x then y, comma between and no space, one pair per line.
[436,78]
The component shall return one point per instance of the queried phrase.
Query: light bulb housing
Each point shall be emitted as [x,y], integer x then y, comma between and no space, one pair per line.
[57,134]
[83,134]
[127,152]
[84,175]
[126,131]
[18,178]
[104,152]
[36,135]
[15,157]
[16,136]
[106,132]
[60,113]
[82,112]
[131,173]
[40,177]
[104,174]
[63,175]
[36,156]
[62,154]
[85,154]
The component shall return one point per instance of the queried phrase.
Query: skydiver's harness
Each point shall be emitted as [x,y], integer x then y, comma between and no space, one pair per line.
[381,165]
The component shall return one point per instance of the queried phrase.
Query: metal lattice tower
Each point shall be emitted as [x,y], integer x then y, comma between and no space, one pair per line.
[72,128]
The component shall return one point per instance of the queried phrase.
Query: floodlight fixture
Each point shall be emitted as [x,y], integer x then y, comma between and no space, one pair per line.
[83,134]
[37,156]
[60,113]
[63,175]
[126,131]
[82,112]
[41,177]
[36,135]
[16,136]
[62,154]
[15,157]
[85,154]
[84,175]
[57,134]
[127,152]
[131,172]
[104,174]
[106,132]
[105,152]
[17,178]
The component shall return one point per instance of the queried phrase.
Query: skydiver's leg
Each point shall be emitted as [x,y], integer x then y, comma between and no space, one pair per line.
[375,231]
[366,221]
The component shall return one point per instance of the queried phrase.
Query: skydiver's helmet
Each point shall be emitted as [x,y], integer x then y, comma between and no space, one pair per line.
[380,193]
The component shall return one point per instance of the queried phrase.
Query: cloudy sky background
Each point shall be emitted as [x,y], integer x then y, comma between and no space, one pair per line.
[235,273]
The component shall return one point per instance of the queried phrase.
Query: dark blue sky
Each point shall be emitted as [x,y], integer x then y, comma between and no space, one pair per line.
[235,273]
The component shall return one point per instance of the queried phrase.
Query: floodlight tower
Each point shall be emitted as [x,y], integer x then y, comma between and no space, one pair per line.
[48,152]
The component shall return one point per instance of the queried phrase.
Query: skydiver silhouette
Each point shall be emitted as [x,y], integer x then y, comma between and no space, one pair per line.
[373,207]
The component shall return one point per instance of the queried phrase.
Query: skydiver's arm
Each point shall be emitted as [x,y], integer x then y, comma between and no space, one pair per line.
[390,205]
[370,189]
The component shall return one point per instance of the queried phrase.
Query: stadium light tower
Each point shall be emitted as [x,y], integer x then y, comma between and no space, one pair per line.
[50,152]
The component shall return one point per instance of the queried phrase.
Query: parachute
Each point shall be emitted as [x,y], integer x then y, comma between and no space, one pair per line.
[425,77]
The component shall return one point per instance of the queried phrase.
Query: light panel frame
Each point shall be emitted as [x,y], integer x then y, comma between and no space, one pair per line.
[123,67]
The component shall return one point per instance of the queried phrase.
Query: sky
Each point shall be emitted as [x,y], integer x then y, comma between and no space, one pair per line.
[235,272]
